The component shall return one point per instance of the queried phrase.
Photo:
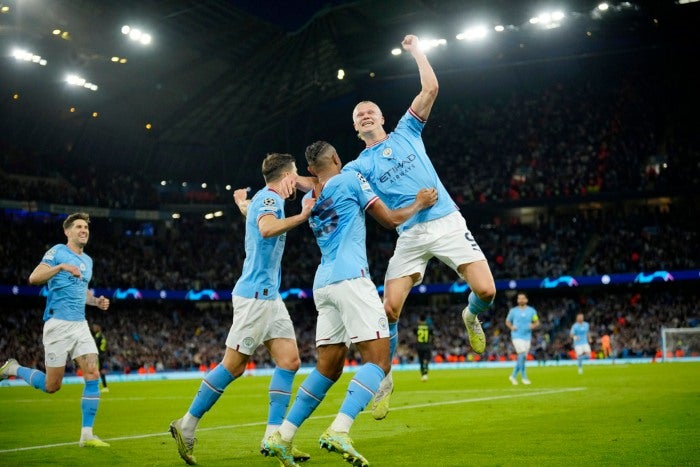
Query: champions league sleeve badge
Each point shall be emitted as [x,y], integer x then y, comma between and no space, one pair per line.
[269,204]
[363,181]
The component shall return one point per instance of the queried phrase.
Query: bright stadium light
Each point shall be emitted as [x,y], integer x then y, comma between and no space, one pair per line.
[75,80]
[25,56]
[137,35]
[427,44]
[396,51]
[475,33]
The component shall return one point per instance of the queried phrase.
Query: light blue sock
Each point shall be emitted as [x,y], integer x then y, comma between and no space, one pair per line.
[309,396]
[90,402]
[393,339]
[477,305]
[280,391]
[361,389]
[210,390]
[521,364]
[33,377]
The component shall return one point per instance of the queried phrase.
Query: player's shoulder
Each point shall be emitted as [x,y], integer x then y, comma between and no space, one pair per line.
[266,199]
[55,251]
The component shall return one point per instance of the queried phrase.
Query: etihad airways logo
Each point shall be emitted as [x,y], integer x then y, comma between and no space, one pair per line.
[399,169]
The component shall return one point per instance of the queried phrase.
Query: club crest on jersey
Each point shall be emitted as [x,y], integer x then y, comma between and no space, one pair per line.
[269,202]
[82,266]
[387,152]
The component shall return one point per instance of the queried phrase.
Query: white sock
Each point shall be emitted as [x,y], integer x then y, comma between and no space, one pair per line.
[86,433]
[189,424]
[342,423]
[288,430]
[468,315]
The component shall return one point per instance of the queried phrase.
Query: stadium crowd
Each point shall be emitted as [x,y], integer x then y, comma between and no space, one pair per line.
[185,336]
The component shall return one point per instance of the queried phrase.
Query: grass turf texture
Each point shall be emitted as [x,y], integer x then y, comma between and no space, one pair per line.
[640,414]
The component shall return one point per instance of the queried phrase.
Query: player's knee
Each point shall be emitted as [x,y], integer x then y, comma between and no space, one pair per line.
[487,294]
[392,311]
[52,387]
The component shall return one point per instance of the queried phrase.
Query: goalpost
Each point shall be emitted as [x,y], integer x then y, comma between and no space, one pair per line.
[679,342]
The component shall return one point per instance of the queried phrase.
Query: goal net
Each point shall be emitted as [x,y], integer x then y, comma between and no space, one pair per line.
[677,343]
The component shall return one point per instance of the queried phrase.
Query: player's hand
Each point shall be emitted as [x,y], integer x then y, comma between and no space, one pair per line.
[102,302]
[411,44]
[426,197]
[72,270]
[289,186]
[240,197]
[306,207]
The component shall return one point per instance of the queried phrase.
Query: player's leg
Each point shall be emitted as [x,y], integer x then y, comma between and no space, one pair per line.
[452,243]
[330,331]
[285,354]
[280,341]
[248,327]
[90,400]
[579,358]
[362,387]
[329,367]
[57,340]
[210,390]
[522,360]
[395,294]
[483,291]
[32,376]
[84,353]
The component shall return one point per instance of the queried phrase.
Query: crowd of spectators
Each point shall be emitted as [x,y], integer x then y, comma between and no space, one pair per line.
[585,135]
[187,336]
[196,254]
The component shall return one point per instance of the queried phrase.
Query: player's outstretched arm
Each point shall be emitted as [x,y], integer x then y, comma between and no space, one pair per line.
[391,219]
[423,102]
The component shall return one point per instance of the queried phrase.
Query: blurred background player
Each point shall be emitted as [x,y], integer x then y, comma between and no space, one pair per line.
[260,316]
[101,343]
[67,269]
[521,320]
[348,304]
[581,336]
[424,346]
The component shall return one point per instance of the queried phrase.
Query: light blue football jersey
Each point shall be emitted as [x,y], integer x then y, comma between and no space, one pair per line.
[338,223]
[580,333]
[262,267]
[398,167]
[67,294]
[521,319]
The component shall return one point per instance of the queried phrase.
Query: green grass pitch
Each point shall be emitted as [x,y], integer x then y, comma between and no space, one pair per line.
[623,414]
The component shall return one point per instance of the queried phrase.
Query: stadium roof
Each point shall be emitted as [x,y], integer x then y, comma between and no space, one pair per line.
[223,82]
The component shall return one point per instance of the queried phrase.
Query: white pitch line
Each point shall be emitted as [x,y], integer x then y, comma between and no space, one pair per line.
[393,409]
